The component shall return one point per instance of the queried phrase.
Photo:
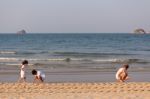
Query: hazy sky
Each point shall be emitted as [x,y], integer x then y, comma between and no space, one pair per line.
[57,16]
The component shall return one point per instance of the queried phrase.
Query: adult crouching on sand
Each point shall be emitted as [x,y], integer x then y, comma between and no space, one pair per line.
[122,73]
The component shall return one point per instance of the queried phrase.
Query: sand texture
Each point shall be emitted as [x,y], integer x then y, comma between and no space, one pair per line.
[131,90]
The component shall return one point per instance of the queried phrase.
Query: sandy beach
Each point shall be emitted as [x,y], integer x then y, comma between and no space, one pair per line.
[77,66]
[109,90]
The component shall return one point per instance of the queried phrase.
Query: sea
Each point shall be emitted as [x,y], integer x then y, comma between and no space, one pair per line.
[75,53]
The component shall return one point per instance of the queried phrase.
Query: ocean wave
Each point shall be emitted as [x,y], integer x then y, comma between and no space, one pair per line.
[140,61]
[80,54]
[8,59]
[19,52]
[23,52]
[110,60]
[92,60]
[8,52]
[28,53]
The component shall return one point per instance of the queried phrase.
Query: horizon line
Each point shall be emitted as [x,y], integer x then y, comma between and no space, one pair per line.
[66,32]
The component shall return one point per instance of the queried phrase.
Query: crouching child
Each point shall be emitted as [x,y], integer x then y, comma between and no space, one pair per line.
[38,76]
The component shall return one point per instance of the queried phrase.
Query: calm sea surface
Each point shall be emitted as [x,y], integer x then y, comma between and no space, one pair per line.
[76,52]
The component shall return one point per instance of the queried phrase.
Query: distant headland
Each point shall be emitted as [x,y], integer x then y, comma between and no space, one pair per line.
[21,32]
[140,31]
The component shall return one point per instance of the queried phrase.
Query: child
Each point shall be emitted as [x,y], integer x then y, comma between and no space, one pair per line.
[22,71]
[122,73]
[39,76]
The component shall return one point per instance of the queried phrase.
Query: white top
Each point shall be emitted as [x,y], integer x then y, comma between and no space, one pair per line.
[119,71]
[22,72]
[39,73]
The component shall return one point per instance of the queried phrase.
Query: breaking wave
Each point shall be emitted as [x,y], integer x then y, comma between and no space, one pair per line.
[78,54]
[79,59]
[8,52]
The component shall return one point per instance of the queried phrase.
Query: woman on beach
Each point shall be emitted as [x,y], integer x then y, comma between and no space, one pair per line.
[39,76]
[22,71]
[122,73]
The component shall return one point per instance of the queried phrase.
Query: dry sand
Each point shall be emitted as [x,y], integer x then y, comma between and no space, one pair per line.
[131,90]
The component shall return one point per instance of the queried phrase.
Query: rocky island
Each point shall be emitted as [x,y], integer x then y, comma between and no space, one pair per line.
[139,31]
[21,32]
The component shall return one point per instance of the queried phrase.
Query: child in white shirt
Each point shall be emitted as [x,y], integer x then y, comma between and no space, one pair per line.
[122,73]
[22,71]
[39,76]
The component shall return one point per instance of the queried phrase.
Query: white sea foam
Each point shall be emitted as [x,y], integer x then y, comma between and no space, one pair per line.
[7,52]
[7,59]
[106,60]
[119,60]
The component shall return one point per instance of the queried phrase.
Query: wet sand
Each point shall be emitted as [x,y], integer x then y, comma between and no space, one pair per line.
[109,90]
[75,85]
[86,77]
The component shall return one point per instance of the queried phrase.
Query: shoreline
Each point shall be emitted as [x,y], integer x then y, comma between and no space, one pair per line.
[78,77]
[108,90]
